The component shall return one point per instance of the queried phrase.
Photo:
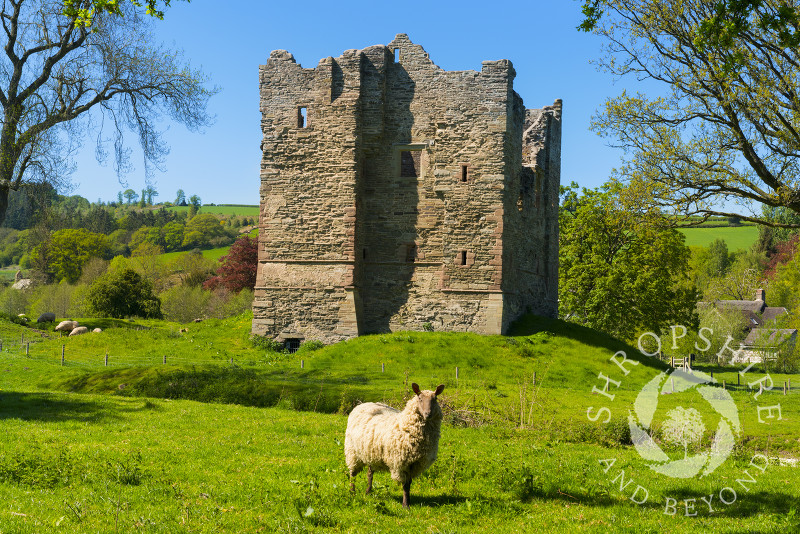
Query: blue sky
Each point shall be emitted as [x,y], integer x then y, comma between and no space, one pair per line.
[221,164]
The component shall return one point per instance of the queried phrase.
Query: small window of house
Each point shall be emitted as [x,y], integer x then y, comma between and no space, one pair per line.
[463,257]
[302,117]
[464,173]
[410,161]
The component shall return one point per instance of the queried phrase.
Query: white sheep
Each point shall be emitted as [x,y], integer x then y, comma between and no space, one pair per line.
[404,443]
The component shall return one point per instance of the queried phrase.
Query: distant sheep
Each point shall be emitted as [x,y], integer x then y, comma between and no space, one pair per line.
[66,326]
[78,331]
[404,443]
[47,317]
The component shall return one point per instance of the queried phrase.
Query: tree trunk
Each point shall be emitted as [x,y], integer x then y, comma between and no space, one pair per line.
[3,203]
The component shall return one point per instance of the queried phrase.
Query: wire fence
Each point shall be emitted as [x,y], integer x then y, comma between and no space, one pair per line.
[50,350]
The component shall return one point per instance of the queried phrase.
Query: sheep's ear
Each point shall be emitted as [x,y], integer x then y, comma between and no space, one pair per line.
[415,387]
[439,389]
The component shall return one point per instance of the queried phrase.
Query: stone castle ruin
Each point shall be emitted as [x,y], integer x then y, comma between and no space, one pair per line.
[399,196]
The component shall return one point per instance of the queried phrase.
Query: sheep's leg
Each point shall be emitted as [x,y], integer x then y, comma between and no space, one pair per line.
[352,483]
[406,493]
[369,480]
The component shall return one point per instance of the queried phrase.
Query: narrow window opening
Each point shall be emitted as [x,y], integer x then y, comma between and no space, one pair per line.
[363,254]
[411,253]
[464,173]
[410,163]
[396,55]
[302,117]
[463,257]
[291,345]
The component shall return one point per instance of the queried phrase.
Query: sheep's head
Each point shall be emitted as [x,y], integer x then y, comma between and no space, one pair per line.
[426,401]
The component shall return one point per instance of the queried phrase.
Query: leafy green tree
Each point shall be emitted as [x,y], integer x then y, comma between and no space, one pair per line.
[56,72]
[172,234]
[724,125]
[194,205]
[121,294]
[130,195]
[619,271]
[718,258]
[180,198]
[69,250]
[200,230]
[146,234]
[119,198]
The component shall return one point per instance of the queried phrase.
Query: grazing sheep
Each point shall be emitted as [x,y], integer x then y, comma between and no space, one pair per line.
[47,317]
[404,443]
[78,331]
[66,326]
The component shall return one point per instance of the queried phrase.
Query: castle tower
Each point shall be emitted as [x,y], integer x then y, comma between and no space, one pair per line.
[396,195]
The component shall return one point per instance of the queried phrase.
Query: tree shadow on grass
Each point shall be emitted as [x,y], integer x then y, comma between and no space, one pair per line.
[528,325]
[53,408]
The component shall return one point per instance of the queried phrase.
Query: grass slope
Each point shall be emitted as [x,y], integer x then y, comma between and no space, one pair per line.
[514,457]
[737,238]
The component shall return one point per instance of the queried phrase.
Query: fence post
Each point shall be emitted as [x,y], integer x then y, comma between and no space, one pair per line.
[383,367]
[534,379]
[28,348]
[22,339]
[723,385]
[302,364]
[165,359]
[456,373]
[106,359]
[62,354]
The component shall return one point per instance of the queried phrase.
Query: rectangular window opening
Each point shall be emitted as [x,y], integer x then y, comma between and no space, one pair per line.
[410,161]
[463,257]
[291,345]
[411,253]
[396,52]
[363,254]
[464,173]
[302,117]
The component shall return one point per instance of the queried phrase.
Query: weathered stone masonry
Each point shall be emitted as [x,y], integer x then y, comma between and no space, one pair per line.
[395,194]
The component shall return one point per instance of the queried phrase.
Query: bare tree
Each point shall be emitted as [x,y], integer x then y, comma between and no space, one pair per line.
[60,78]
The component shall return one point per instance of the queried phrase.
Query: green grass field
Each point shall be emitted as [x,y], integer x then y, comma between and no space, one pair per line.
[737,238]
[129,447]
[240,211]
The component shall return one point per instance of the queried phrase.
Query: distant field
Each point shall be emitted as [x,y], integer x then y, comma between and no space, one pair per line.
[737,238]
[212,254]
[242,211]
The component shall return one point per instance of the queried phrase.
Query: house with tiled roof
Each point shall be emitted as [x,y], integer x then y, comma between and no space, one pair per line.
[764,342]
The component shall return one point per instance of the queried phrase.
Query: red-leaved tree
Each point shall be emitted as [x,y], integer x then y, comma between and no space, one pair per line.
[238,269]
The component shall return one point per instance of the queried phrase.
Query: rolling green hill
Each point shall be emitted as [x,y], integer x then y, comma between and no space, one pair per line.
[239,210]
[95,448]
[736,237]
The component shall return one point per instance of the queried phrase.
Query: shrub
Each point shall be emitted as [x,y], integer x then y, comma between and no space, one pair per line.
[184,303]
[123,294]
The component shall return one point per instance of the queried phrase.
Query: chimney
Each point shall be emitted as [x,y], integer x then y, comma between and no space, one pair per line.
[761,295]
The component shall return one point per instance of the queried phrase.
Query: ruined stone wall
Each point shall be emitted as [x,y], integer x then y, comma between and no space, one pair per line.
[415,227]
[396,203]
[308,180]
[530,275]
